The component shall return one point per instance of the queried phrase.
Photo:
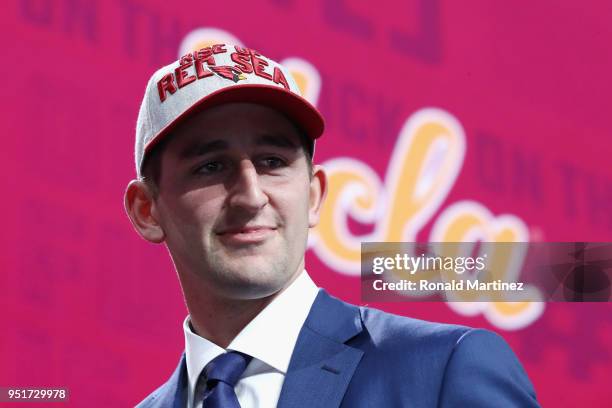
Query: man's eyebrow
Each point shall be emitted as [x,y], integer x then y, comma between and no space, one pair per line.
[276,140]
[199,148]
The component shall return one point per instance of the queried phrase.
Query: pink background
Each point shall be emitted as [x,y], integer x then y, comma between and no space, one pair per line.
[88,305]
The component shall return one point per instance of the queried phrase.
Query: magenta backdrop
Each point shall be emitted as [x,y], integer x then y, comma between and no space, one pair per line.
[88,305]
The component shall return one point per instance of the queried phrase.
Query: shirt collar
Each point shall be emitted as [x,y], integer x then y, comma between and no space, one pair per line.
[270,337]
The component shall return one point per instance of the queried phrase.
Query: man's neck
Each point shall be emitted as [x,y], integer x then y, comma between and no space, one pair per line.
[220,319]
[220,322]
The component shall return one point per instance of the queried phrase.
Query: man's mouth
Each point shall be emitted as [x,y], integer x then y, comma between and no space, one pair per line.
[246,235]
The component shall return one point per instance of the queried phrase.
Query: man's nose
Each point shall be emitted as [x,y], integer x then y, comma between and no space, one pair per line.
[246,192]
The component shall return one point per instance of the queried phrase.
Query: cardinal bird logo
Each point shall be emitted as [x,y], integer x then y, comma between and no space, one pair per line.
[227,72]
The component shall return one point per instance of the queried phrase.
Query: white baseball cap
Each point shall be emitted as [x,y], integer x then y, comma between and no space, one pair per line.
[213,76]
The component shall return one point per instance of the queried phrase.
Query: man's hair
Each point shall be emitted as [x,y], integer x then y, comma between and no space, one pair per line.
[151,166]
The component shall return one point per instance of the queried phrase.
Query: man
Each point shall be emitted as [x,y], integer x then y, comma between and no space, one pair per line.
[224,147]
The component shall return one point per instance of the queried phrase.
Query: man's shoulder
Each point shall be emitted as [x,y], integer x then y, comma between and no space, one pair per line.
[387,324]
[174,389]
[153,397]
[386,332]
[399,337]
[390,332]
[429,358]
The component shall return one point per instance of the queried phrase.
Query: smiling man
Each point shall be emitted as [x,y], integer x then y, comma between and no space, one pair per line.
[225,180]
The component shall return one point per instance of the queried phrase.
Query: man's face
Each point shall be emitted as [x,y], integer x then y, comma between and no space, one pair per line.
[236,199]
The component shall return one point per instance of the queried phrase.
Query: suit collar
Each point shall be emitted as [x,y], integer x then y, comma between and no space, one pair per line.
[322,364]
[333,318]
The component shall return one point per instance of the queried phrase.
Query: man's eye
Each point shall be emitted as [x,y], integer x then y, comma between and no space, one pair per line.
[210,167]
[272,162]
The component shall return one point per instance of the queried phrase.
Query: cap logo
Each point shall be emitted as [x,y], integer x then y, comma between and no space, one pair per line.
[227,72]
[247,61]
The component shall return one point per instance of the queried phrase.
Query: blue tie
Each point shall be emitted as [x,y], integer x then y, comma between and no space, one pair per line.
[222,374]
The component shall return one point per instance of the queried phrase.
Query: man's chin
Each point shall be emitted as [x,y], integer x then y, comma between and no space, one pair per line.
[250,290]
[251,278]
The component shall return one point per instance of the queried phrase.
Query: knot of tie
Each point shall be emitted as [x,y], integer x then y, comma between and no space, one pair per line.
[222,374]
[227,368]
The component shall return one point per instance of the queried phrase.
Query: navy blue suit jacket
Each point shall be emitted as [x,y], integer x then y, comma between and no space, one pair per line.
[349,356]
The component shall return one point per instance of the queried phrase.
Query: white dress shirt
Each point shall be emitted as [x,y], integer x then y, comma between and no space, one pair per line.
[269,338]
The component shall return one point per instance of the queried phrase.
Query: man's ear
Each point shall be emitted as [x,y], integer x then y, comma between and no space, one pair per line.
[141,208]
[318,191]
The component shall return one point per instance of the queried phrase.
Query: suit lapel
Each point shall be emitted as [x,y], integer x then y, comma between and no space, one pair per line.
[322,365]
